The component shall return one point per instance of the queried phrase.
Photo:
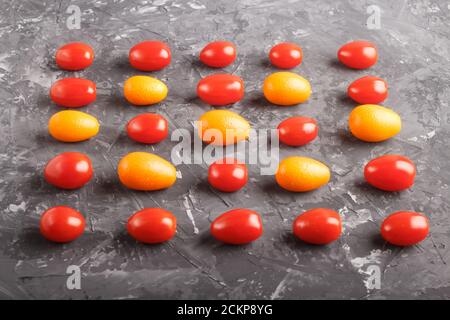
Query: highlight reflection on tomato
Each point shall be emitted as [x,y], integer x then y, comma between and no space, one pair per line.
[62,224]
[152,225]
[390,172]
[218,54]
[69,170]
[286,55]
[150,55]
[358,54]
[74,56]
[297,131]
[73,92]
[318,226]
[227,175]
[148,128]
[368,90]
[405,228]
[220,89]
[238,226]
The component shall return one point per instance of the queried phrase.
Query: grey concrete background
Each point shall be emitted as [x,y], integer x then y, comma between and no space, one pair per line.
[413,44]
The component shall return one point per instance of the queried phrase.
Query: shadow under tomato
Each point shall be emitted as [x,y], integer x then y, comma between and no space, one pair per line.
[376,240]
[272,188]
[122,64]
[31,244]
[336,64]
[124,239]
[201,67]
[346,100]
[366,188]
[37,185]
[293,242]
[348,138]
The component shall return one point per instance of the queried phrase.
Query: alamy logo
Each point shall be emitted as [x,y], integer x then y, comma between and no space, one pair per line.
[74,20]
[373,280]
[374,19]
[261,147]
[74,280]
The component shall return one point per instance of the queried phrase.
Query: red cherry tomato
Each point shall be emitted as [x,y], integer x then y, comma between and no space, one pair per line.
[358,54]
[368,90]
[74,56]
[297,131]
[286,55]
[390,173]
[318,226]
[220,89]
[62,224]
[218,54]
[152,225]
[150,56]
[148,128]
[73,92]
[405,228]
[227,175]
[238,226]
[69,170]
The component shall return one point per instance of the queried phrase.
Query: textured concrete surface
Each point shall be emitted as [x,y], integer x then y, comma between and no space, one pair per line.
[413,43]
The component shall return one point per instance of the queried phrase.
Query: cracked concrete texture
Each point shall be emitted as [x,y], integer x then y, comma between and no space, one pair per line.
[414,54]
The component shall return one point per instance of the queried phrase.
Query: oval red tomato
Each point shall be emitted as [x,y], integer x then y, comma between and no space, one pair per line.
[218,54]
[405,228]
[318,226]
[148,128]
[358,54]
[73,92]
[368,90]
[69,170]
[297,131]
[227,175]
[62,224]
[238,226]
[150,56]
[74,56]
[220,89]
[390,172]
[152,225]
[286,55]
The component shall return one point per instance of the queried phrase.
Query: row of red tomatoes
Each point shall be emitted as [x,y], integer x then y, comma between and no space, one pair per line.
[72,170]
[156,55]
[217,89]
[318,226]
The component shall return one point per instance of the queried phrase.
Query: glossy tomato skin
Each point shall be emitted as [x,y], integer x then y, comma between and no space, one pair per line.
[148,128]
[218,54]
[390,172]
[73,92]
[69,170]
[152,225]
[297,131]
[74,56]
[368,90]
[238,226]
[150,56]
[318,226]
[62,224]
[405,228]
[286,55]
[358,54]
[220,89]
[228,175]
